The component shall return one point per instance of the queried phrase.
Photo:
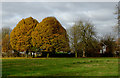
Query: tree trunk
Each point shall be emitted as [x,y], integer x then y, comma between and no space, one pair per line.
[76,54]
[53,52]
[47,55]
[83,52]
[27,53]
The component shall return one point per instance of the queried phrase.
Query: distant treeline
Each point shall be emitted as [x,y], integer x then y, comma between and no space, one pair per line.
[49,37]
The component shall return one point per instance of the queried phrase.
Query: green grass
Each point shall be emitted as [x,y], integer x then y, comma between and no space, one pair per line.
[60,67]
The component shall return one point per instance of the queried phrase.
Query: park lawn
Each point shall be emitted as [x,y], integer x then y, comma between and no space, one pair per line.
[60,67]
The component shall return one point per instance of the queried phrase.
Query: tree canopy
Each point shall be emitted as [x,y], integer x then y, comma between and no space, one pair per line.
[20,37]
[6,44]
[49,35]
[108,40]
[6,39]
[81,35]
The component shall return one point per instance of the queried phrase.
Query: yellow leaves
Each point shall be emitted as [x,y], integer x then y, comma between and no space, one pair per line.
[46,35]
[20,37]
[49,34]
[5,43]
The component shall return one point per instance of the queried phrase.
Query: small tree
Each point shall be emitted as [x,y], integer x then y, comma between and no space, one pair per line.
[74,38]
[6,44]
[6,47]
[108,40]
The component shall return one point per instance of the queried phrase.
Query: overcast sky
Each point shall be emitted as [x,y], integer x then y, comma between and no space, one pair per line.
[100,14]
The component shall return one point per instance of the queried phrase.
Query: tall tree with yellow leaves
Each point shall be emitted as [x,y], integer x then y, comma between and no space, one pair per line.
[50,36]
[20,37]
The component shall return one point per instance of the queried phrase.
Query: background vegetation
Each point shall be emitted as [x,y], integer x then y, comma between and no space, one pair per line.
[49,37]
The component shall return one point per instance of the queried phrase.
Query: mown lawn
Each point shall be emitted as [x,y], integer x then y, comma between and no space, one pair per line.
[60,67]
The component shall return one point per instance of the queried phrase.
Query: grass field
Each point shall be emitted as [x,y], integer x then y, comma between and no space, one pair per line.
[60,67]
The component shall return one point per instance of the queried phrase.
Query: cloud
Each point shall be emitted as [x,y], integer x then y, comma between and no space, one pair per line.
[100,13]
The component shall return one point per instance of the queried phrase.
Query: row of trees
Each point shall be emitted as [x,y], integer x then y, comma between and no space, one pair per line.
[49,36]
[82,35]
[85,42]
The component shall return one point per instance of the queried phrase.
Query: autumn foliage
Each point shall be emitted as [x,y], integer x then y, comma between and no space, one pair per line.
[20,37]
[6,44]
[49,35]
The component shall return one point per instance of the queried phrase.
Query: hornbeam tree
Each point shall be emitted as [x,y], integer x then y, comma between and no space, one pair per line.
[20,37]
[50,36]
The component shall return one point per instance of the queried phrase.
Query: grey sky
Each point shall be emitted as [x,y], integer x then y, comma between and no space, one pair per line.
[101,14]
